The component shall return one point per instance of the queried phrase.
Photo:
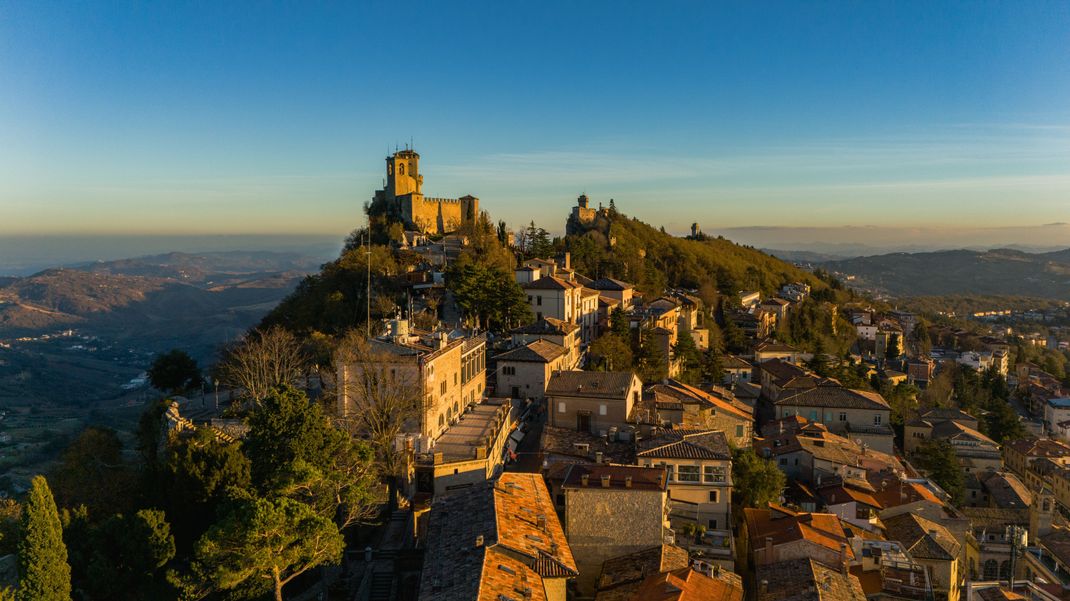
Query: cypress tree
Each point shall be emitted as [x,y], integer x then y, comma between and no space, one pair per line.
[44,574]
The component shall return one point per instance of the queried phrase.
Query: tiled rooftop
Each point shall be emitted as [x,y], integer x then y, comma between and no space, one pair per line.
[603,384]
[495,539]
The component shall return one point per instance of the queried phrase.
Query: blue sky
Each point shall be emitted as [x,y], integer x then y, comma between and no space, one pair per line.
[210,118]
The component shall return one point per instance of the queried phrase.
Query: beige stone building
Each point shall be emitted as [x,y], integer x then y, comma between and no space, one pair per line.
[524,372]
[566,300]
[857,414]
[447,373]
[592,401]
[932,546]
[698,466]
[562,333]
[403,195]
[682,405]
[612,510]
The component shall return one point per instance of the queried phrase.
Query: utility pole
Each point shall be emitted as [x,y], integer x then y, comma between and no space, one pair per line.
[368,251]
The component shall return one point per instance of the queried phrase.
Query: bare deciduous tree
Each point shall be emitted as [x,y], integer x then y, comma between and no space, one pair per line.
[383,399]
[263,360]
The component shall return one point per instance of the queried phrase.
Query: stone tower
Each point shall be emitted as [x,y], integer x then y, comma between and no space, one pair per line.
[403,174]
[1040,514]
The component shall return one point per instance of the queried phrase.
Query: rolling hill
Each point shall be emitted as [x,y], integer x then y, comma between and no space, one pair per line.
[999,272]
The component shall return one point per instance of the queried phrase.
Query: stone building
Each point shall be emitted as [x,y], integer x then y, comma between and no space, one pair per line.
[447,371]
[699,472]
[403,196]
[612,510]
[592,401]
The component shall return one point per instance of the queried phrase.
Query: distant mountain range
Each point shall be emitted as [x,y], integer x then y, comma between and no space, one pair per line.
[162,296]
[1000,272]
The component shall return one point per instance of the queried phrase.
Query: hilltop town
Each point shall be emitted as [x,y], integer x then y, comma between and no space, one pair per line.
[457,410]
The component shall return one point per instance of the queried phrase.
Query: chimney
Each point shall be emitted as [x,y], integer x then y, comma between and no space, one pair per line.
[584,479]
[568,260]
[627,482]
[479,541]
[605,480]
[768,549]
[843,558]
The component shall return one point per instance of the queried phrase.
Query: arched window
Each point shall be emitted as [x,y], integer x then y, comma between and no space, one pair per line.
[441,421]
[401,169]
[991,569]
[390,169]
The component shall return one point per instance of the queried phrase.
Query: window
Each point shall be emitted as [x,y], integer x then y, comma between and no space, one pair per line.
[713,525]
[687,473]
[442,387]
[602,409]
[783,461]
[843,416]
[561,407]
[401,169]
[538,300]
[739,431]
[877,419]
[713,473]
[813,416]
[715,497]
[508,370]
[454,378]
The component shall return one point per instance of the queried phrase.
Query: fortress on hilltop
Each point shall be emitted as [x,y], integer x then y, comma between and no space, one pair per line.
[403,194]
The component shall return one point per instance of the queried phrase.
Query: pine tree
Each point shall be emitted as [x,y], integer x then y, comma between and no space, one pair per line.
[44,574]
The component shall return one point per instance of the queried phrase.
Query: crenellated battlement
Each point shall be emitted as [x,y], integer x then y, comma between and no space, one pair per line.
[429,214]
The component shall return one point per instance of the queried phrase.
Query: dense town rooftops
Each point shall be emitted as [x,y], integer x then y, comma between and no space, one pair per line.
[1039,447]
[584,446]
[615,477]
[686,584]
[622,576]
[922,538]
[673,393]
[782,371]
[537,351]
[806,580]
[784,526]
[1006,490]
[494,539]
[604,384]
[685,444]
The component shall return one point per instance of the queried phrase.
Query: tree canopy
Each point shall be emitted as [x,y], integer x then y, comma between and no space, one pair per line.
[44,574]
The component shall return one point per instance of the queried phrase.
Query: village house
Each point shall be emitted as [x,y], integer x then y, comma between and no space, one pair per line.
[736,370]
[682,405]
[808,452]
[614,289]
[561,333]
[497,540]
[1018,455]
[592,401]
[566,300]
[857,414]
[612,510]
[976,452]
[525,371]
[771,349]
[698,466]
[778,307]
[775,534]
[776,375]
[934,547]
